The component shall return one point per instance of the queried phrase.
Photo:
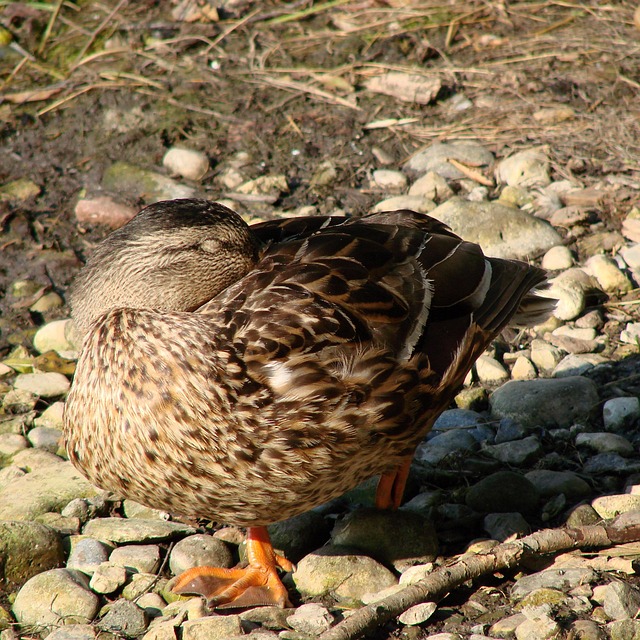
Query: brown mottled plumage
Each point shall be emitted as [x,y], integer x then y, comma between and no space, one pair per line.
[249,374]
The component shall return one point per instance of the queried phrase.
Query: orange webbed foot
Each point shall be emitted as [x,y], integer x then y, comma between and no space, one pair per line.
[257,584]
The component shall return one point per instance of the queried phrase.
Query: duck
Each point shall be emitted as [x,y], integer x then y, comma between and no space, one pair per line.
[247,374]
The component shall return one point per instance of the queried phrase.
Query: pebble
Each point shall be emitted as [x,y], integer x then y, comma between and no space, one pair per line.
[47,302]
[618,414]
[46,488]
[125,530]
[605,443]
[552,483]
[435,158]
[45,385]
[414,574]
[26,549]
[501,231]
[270,185]
[199,550]
[546,402]
[11,443]
[212,628]
[108,578]
[524,369]
[122,177]
[54,598]
[448,443]
[73,632]
[608,274]
[630,334]
[140,558]
[389,180]
[610,463]
[545,356]
[267,617]
[312,619]
[490,371]
[538,627]
[516,452]
[141,583]
[46,438]
[611,506]
[501,526]
[503,492]
[621,601]
[563,579]
[432,186]
[374,532]
[187,163]
[332,570]
[418,614]
[421,204]
[51,417]
[103,210]
[526,168]
[570,289]
[87,554]
[123,618]
[133,509]
[577,364]
[151,603]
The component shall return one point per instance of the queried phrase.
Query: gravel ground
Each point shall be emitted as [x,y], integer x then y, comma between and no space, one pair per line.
[532,159]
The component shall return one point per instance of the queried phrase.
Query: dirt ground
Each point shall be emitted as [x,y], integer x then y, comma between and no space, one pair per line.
[90,83]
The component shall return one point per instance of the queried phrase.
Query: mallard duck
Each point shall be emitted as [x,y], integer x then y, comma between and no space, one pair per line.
[247,374]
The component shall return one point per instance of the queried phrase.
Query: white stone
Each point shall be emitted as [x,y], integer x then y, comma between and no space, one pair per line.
[53,336]
[51,417]
[431,186]
[142,558]
[416,573]
[612,506]
[490,371]
[421,204]
[11,443]
[608,274]
[389,180]
[605,443]
[187,163]
[586,333]
[619,413]
[523,369]
[418,614]
[525,168]
[312,619]
[45,385]
[108,578]
[575,364]
[557,258]
[544,355]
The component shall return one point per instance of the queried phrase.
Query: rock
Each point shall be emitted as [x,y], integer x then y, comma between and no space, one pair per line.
[610,463]
[570,289]
[139,558]
[501,526]
[44,385]
[539,627]
[577,364]
[421,204]
[19,401]
[605,443]
[630,334]
[73,632]
[54,598]
[436,157]
[108,578]
[300,535]
[338,571]
[124,530]
[503,492]
[123,177]
[47,302]
[199,550]
[516,452]
[619,414]
[187,163]
[612,506]
[161,631]
[414,574]
[526,168]
[375,533]
[551,403]
[490,371]
[457,419]
[621,601]
[142,583]
[418,614]
[434,187]
[10,444]
[48,488]
[64,526]
[51,417]
[586,630]
[151,603]
[509,430]
[506,627]
[501,231]
[563,579]
[544,355]
[408,87]
[541,597]
[133,509]
[26,549]
[523,369]
[272,185]
[87,554]
[103,210]
[389,180]
[324,175]
[312,619]
[438,448]
[124,618]
[267,617]
[45,438]
[608,274]
[552,483]
[212,628]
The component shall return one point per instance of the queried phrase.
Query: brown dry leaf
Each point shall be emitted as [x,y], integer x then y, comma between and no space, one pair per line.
[32,95]
[408,87]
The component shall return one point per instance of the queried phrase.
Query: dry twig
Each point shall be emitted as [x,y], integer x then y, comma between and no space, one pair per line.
[469,567]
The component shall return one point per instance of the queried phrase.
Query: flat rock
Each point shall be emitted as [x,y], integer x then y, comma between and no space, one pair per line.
[108,578]
[605,443]
[526,168]
[45,385]
[516,452]
[43,490]
[436,157]
[124,618]
[124,530]
[87,554]
[501,231]
[312,619]
[375,532]
[503,492]
[621,413]
[552,483]
[551,403]
[339,571]
[563,579]
[421,204]
[26,549]
[199,550]
[54,336]
[73,632]
[122,177]
[611,506]
[418,614]
[138,558]
[54,598]
[212,628]
[441,446]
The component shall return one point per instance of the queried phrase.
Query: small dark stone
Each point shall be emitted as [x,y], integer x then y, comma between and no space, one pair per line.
[503,492]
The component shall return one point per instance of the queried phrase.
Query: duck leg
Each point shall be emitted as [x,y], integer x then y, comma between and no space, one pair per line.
[255,585]
[391,486]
